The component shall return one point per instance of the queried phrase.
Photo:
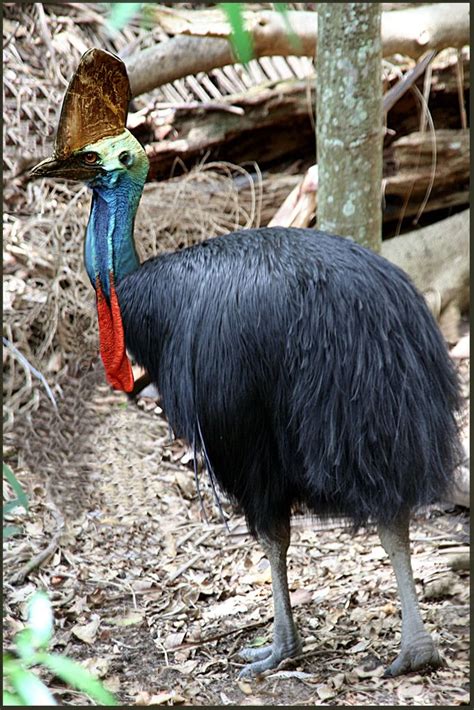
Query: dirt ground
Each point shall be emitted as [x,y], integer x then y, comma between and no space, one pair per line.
[157,602]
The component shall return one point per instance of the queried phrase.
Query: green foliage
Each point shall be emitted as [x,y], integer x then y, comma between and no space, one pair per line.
[122,12]
[240,38]
[21,686]
[20,499]
[282,8]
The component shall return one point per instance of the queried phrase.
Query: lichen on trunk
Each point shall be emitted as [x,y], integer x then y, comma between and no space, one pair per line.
[349,125]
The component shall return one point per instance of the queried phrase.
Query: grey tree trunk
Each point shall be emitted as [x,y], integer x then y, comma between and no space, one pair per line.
[349,121]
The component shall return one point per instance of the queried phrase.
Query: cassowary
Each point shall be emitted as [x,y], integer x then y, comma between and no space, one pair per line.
[306,369]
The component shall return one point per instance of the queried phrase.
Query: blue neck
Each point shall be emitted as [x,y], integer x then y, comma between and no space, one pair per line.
[110,246]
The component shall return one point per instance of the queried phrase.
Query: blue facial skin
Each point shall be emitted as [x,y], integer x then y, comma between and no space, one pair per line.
[109,245]
[116,191]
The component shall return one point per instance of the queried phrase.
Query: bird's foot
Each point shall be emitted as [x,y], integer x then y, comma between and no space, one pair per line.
[267,657]
[416,654]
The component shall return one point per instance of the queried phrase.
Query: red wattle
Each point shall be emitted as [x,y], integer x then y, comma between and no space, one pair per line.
[112,341]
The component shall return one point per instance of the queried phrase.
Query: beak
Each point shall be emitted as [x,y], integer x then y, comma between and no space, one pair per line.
[66,168]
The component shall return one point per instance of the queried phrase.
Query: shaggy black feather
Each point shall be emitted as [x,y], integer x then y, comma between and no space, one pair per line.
[311,367]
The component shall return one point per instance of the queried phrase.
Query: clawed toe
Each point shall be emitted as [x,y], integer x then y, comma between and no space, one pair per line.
[415,657]
[255,654]
[267,657]
[267,663]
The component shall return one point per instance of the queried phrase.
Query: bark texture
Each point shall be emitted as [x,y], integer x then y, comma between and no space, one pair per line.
[349,121]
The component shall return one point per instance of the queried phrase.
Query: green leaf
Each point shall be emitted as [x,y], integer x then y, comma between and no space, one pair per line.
[40,619]
[10,530]
[282,8]
[9,699]
[25,646]
[259,641]
[9,664]
[30,689]
[240,38]
[16,485]
[10,505]
[122,12]
[75,675]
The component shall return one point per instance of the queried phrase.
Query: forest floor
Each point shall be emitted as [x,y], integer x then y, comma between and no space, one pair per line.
[147,594]
[157,602]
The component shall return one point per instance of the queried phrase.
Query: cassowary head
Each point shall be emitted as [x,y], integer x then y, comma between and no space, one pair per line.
[93,145]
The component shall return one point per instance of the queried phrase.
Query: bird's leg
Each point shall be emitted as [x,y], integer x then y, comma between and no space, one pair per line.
[417,647]
[286,642]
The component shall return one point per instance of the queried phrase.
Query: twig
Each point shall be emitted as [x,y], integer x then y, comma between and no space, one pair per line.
[28,366]
[65,601]
[315,651]
[44,29]
[184,567]
[426,96]
[460,83]
[37,561]
[119,585]
[401,87]
[427,117]
[224,634]
[12,36]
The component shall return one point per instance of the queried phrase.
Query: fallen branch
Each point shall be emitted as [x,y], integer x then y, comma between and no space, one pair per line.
[37,560]
[412,157]
[284,111]
[460,561]
[203,43]
[276,120]
[408,171]
[436,258]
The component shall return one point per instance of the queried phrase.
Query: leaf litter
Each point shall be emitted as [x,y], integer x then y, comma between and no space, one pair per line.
[157,602]
[149,596]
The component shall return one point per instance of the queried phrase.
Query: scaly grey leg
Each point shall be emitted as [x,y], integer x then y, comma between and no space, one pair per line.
[286,642]
[417,646]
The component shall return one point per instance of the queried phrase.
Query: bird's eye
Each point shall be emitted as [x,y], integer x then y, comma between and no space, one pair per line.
[90,158]
[125,158]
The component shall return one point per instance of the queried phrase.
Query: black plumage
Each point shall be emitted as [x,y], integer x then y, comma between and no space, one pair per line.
[307,369]
[310,368]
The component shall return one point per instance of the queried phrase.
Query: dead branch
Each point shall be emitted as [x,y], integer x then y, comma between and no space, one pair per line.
[37,560]
[412,158]
[268,109]
[436,258]
[202,41]
[461,561]
[408,170]
[276,119]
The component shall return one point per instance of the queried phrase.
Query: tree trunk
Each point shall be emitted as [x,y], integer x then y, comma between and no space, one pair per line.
[349,121]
